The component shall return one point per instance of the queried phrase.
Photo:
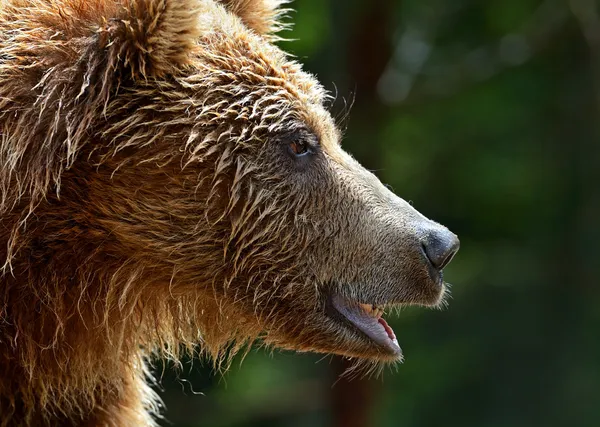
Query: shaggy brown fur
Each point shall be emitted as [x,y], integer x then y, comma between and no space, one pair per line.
[149,203]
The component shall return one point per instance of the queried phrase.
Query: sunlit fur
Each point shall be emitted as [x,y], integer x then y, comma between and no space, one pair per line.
[149,206]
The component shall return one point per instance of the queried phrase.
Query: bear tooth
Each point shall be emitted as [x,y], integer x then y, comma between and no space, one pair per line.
[372,310]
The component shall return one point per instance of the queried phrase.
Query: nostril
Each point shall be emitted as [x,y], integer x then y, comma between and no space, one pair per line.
[448,257]
[440,247]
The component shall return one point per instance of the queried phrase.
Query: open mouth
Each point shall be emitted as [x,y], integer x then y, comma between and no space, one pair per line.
[367,318]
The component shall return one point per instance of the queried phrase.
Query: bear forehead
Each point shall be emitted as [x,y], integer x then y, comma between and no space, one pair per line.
[256,76]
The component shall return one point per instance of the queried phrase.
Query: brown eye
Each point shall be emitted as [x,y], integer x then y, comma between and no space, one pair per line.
[299,148]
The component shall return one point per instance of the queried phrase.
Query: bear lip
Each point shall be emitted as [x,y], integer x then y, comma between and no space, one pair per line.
[367,319]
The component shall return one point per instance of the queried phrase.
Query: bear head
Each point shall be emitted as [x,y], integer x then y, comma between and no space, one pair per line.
[167,163]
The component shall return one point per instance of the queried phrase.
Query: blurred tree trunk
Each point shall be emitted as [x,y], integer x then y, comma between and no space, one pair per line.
[352,399]
[368,52]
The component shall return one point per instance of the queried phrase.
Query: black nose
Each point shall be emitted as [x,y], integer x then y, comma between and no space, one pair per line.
[440,245]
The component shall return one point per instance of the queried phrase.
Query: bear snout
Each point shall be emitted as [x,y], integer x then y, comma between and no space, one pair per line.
[439,246]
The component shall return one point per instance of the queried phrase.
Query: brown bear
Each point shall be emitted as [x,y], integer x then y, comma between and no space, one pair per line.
[170,179]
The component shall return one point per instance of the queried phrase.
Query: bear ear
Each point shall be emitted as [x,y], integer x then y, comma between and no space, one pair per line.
[152,37]
[157,37]
[262,16]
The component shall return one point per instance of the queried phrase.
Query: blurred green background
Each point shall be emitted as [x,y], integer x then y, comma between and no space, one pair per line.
[484,114]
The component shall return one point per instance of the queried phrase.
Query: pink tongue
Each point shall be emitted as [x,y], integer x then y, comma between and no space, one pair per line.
[387,328]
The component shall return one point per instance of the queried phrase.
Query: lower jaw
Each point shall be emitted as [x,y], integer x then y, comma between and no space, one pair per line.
[374,328]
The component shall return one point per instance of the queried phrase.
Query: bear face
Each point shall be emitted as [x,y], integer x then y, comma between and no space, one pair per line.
[171,177]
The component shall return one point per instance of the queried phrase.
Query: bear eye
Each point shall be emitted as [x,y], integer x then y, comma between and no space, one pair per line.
[300,145]
[299,148]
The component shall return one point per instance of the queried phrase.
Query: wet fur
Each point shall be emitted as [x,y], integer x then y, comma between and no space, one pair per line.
[142,212]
